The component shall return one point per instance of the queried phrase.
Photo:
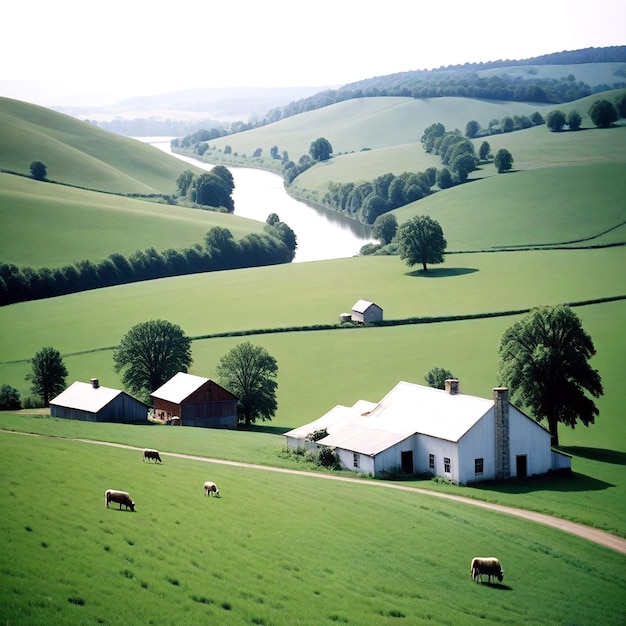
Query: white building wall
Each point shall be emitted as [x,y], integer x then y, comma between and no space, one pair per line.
[527,437]
[365,463]
[478,443]
[440,449]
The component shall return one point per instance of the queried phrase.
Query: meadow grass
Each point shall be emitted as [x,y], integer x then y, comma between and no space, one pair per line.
[53,225]
[273,549]
[78,153]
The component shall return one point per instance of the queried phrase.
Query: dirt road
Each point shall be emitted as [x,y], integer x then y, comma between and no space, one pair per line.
[595,535]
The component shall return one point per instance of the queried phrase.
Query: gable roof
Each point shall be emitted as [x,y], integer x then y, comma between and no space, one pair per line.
[370,428]
[360,306]
[86,397]
[179,387]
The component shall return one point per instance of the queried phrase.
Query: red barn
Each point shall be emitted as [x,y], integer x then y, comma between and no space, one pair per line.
[195,401]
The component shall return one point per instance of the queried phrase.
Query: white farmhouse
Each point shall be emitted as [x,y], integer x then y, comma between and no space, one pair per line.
[364,311]
[418,429]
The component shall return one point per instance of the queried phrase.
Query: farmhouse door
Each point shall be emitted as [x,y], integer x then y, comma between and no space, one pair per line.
[407,462]
[520,466]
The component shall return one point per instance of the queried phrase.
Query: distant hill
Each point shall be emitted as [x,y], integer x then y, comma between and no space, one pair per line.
[81,154]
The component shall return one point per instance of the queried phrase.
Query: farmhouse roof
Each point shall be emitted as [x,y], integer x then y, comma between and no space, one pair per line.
[407,409]
[179,387]
[86,397]
[360,306]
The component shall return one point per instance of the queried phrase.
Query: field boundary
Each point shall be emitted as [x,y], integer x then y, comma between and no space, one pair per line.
[595,535]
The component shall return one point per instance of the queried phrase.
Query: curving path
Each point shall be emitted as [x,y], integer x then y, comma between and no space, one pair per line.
[595,535]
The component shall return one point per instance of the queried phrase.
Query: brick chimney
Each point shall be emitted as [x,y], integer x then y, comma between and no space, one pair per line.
[501,420]
[95,383]
[452,386]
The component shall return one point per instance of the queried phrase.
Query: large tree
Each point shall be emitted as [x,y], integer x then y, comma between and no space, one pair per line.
[38,170]
[555,120]
[421,240]
[320,149]
[150,354]
[385,228]
[503,160]
[603,113]
[544,361]
[47,374]
[249,372]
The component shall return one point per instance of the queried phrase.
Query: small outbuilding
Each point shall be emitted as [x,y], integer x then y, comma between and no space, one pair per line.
[91,402]
[421,430]
[191,400]
[364,312]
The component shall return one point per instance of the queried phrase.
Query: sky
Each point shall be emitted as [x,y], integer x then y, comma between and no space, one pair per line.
[55,50]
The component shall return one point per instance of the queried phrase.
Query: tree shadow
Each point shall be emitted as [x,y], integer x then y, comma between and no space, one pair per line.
[573,483]
[614,457]
[269,430]
[442,272]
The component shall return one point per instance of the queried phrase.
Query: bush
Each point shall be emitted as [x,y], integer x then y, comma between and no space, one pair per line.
[328,458]
[9,398]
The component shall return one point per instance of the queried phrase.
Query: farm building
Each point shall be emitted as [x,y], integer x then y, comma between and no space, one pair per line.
[93,403]
[364,312]
[195,401]
[418,429]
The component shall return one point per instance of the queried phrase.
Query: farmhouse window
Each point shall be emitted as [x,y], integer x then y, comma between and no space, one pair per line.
[478,466]
[431,461]
[357,460]
[446,465]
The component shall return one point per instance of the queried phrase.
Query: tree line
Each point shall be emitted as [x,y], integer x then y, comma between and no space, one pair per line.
[219,251]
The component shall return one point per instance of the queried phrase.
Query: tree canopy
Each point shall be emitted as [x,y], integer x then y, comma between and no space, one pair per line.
[385,228]
[421,240]
[503,160]
[320,149]
[544,361]
[249,372]
[437,377]
[555,120]
[38,170]
[47,374]
[150,354]
[603,113]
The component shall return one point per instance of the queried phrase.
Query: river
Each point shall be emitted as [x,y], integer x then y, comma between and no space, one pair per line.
[321,234]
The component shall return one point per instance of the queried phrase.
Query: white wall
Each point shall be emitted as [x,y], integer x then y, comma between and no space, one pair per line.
[527,437]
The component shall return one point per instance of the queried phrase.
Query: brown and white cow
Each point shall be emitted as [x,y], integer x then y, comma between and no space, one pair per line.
[486,566]
[119,497]
[211,488]
[151,454]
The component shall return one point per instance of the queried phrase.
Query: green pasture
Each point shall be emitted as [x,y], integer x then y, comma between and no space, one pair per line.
[78,153]
[371,123]
[183,557]
[54,225]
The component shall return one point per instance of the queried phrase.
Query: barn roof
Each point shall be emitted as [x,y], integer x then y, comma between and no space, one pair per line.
[360,306]
[179,387]
[370,428]
[86,397]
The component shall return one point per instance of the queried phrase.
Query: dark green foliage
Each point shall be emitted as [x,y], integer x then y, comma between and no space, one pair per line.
[536,118]
[471,129]
[150,354]
[316,435]
[620,105]
[603,113]
[507,124]
[320,149]
[444,178]
[183,182]
[385,228]
[328,458]
[503,160]
[38,170]
[249,372]
[9,398]
[484,152]
[421,241]
[437,377]
[47,374]
[282,232]
[257,153]
[574,120]
[555,120]
[373,206]
[544,360]
[213,190]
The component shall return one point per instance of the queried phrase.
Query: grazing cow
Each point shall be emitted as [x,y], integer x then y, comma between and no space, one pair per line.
[211,488]
[486,566]
[151,454]
[119,497]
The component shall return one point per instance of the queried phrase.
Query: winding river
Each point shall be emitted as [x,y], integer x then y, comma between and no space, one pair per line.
[321,234]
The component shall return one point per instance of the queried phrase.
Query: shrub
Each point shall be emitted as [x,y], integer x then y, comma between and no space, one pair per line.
[329,458]
[9,398]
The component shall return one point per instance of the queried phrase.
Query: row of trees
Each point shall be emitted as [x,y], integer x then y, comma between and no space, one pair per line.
[544,360]
[603,113]
[507,124]
[219,251]
[213,188]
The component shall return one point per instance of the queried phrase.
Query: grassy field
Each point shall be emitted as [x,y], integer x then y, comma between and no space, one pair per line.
[313,551]
[53,225]
[78,153]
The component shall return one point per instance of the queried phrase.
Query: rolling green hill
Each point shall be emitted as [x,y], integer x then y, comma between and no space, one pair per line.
[78,153]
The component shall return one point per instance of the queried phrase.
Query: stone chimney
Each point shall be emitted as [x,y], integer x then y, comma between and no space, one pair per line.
[501,419]
[95,383]
[452,386]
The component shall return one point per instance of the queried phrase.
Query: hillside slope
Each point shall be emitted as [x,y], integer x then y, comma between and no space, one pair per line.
[78,153]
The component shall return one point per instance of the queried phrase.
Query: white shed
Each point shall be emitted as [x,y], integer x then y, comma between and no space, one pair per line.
[365,311]
[418,429]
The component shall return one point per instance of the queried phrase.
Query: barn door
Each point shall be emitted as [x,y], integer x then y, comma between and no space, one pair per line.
[521,470]
[407,462]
